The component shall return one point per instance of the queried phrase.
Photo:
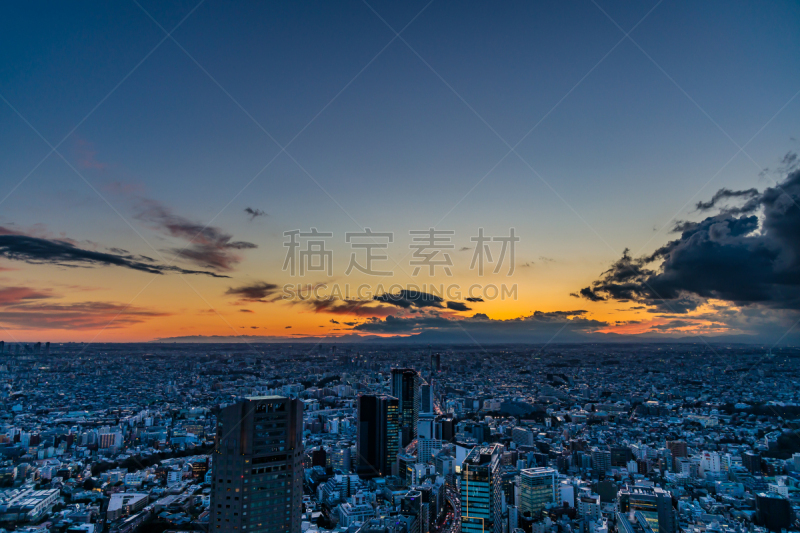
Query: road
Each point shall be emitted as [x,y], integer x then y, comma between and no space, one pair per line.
[452,520]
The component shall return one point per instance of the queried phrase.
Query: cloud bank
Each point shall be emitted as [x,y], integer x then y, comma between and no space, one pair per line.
[745,255]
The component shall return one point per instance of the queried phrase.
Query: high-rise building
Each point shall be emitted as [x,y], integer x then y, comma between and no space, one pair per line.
[678,448]
[601,460]
[481,491]
[620,455]
[405,387]
[522,436]
[537,488]
[752,462]
[257,484]
[378,434]
[427,448]
[654,503]
[773,511]
[426,398]
[428,426]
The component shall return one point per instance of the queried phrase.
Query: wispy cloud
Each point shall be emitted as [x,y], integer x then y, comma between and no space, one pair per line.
[80,316]
[259,291]
[254,213]
[207,246]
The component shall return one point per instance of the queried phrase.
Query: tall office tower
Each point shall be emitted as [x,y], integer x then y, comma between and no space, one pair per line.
[601,460]
[678,448]
[448,429]
[257,484]
[378,434]
[426,398]
[2,346]
[47,348]
[481,491]
[405,387]
[537,488]
[655,504]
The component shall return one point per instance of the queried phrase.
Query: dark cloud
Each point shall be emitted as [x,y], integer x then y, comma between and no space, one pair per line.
[473,300]
[457,306]
[673,324]
[288,327]
[682,225]
[749,255]
[334,321]
[35,250]
[406,298]
[246,311]
[536,327]
[346,307]
[725,194]
[254,213]
[464,249]
[589,294]
[392,324]
[208,246]
[261,291]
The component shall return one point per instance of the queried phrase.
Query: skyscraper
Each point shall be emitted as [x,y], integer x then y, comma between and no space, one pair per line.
[426,398]
[257,484]
[537,488]
[378,434]
[481,491]
[405,387]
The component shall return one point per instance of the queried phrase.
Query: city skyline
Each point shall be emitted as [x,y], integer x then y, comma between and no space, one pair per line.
[156,159]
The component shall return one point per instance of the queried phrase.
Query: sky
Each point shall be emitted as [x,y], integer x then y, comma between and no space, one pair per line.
[153,155]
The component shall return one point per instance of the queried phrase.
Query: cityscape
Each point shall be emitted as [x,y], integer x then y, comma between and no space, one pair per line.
[380,438]
[418,266]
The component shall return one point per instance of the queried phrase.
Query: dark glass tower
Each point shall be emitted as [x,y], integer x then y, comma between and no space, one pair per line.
[257,484]
[481,491]
[405,387]
[378,435]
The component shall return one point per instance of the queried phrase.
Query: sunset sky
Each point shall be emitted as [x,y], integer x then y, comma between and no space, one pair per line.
[153,154]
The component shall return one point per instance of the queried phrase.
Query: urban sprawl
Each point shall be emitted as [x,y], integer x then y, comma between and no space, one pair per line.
[399,438]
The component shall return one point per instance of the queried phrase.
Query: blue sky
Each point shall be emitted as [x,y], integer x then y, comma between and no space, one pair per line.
[618,135]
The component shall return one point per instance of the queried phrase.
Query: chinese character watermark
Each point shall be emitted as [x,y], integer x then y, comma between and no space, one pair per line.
[427,245]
